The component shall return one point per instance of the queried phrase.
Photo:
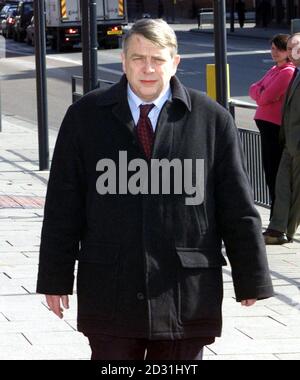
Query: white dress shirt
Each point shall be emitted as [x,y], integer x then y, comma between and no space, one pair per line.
[135,102]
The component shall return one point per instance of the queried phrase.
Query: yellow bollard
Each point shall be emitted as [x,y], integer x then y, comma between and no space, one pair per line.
[211,81]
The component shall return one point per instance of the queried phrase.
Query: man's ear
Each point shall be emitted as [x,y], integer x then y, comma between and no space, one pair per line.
[123,58]
[176,61]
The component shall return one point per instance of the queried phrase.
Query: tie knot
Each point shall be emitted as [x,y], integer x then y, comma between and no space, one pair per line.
[145,109]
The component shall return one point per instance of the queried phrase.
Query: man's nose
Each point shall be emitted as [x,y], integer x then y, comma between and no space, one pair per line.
[149,67]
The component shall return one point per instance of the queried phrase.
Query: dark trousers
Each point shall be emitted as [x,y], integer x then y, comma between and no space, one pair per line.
[271,154]
[112,348]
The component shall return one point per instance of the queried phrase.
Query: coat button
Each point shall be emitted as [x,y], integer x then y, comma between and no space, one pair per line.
[140,296]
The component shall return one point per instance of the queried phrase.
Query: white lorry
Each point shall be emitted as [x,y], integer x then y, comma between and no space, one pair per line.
[63,22]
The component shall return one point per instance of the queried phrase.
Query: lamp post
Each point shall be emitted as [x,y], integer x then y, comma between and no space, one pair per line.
[41,83]
[89,44]
[221,52]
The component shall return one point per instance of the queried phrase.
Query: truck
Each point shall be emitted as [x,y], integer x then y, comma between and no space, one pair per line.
[63,22]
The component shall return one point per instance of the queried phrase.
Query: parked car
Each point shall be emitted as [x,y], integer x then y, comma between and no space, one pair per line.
[5,11]
[7,2]
[8,24]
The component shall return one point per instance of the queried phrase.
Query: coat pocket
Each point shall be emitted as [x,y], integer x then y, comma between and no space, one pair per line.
[97,281]
[190,224]
[200,286]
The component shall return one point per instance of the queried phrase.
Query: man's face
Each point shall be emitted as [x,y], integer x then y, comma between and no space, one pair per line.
[293,48]
[148,68]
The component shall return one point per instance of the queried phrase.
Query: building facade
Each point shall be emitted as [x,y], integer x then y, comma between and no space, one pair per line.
[279,12]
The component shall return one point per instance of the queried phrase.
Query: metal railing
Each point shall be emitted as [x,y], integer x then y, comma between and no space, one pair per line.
[252,149]
[234,103]
[77,95]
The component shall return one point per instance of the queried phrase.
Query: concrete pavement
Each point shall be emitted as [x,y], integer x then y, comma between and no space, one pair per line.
[248,31]
[269,330]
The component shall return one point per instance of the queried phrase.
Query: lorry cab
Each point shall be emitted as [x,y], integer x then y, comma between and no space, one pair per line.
[63,22]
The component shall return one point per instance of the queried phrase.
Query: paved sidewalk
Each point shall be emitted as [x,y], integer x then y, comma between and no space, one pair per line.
[248,31]
[269,330]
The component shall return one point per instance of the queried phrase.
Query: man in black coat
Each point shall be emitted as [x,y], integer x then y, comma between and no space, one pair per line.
[147,179]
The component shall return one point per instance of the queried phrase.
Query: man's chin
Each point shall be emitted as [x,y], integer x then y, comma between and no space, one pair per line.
[148,96]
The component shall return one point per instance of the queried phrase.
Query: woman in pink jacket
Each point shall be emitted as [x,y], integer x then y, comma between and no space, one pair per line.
[269,95]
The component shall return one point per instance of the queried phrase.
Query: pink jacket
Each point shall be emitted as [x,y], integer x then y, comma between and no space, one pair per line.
[269,93]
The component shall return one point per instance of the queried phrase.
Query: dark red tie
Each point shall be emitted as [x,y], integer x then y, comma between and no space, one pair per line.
[144,130]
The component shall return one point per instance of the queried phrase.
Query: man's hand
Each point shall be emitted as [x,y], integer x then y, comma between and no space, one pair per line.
[248,302]
[57,304]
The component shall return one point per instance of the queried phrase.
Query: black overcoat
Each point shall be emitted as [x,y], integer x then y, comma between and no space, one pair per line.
[149,265]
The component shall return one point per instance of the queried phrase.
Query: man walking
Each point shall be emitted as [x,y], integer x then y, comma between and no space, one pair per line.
[147,178]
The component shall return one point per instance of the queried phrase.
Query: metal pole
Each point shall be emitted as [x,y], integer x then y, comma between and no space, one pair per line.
[221,52]
[41,83]
[257,15]
[85,39]
[89,44]
[232,16]
[94,44]
[173,10]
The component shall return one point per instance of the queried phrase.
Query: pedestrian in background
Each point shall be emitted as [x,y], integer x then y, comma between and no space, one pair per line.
[265,10]
[240,9]
[149,280]
[286,214]
[269,93]
[161,11]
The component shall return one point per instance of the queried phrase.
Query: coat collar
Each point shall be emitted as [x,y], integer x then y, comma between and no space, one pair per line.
[118,93]
[294,85]
[116,98]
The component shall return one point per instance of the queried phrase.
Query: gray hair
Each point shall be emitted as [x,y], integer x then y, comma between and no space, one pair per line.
[293,35]
[157,31]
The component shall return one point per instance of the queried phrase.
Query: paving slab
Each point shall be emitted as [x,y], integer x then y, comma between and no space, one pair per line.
[49,325]
[14,339]
[46,352]
[55,338]
[288,356]
[257,346]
